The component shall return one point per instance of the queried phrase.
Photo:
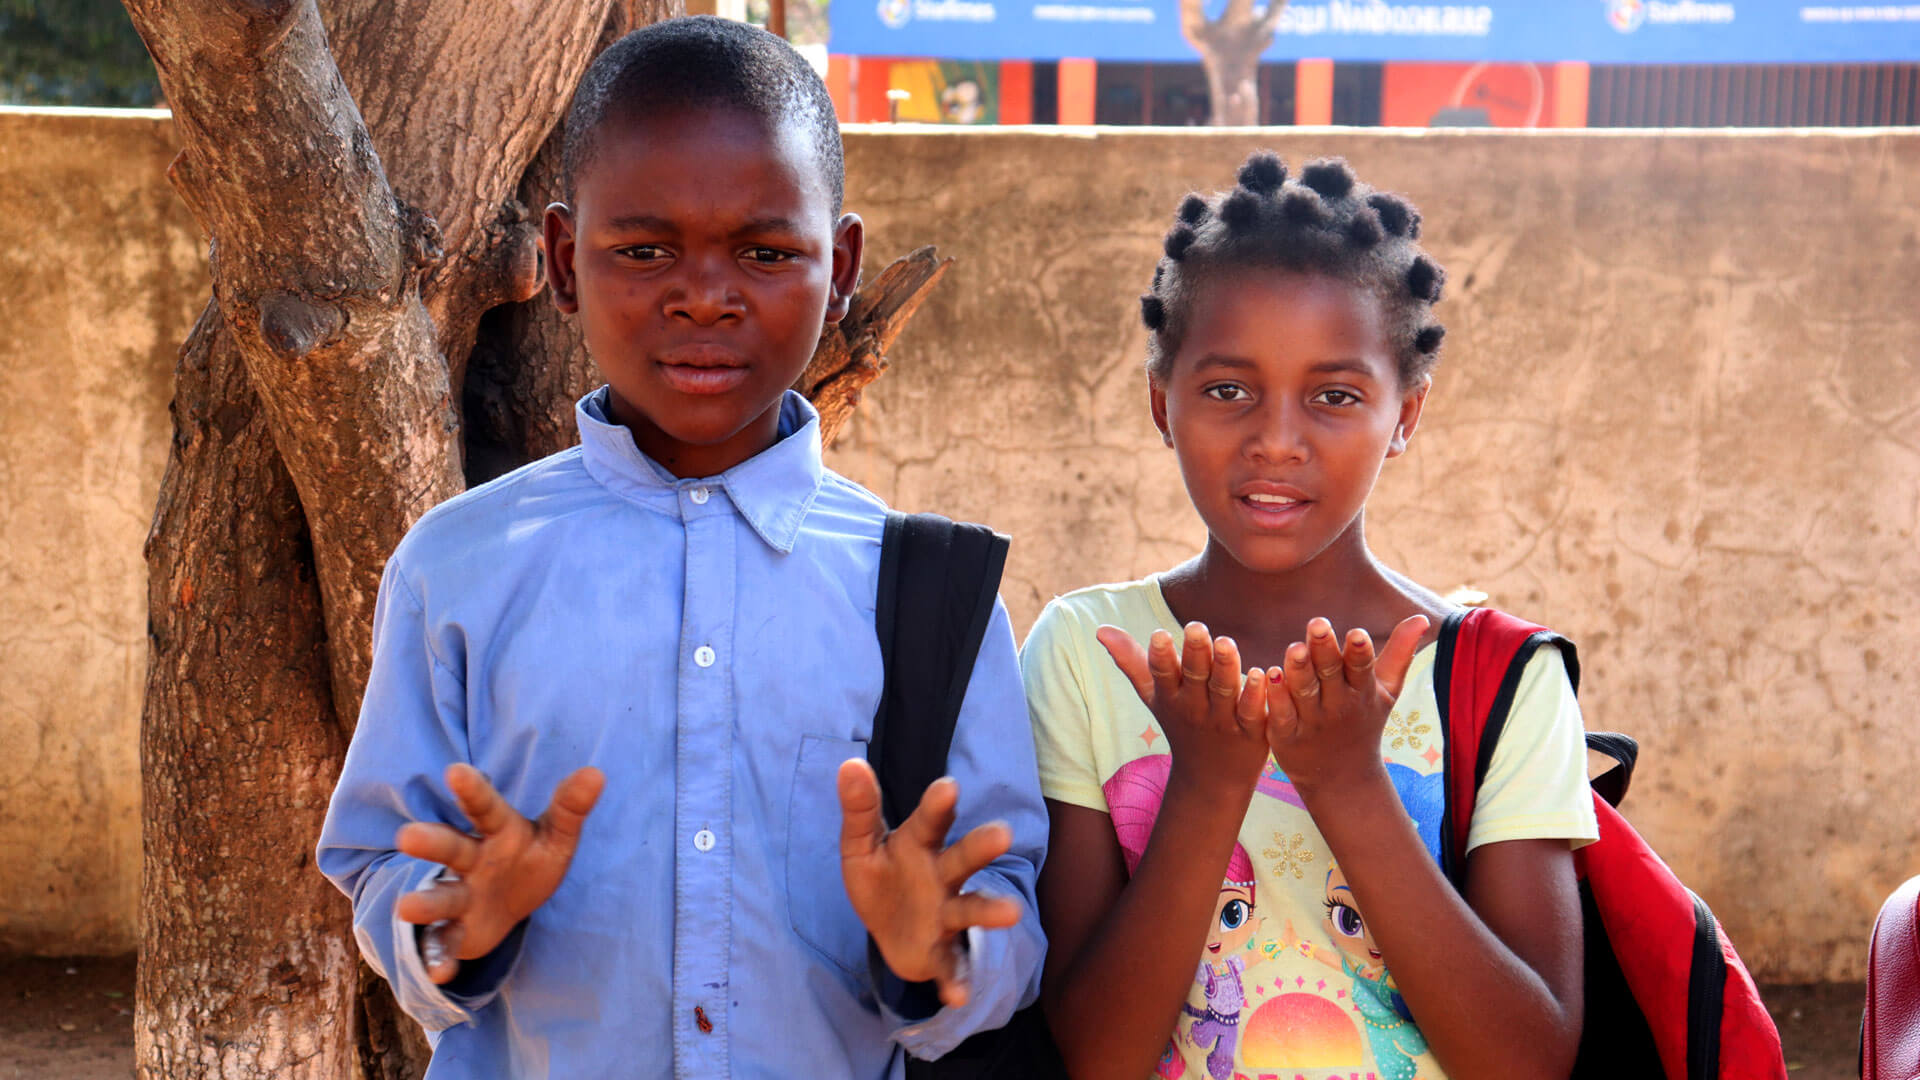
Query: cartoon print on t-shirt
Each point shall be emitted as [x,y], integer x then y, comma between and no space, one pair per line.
[1391,1033]
[1216,1028]
[1134,794]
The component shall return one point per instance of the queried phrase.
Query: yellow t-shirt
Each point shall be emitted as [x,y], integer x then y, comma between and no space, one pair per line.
[1289,986]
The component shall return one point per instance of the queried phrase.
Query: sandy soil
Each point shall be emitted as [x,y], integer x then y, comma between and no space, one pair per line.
[73,1020]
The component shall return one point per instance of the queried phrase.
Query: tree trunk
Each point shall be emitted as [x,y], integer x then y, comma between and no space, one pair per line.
[1233,83]
[325,400]
[1230,47]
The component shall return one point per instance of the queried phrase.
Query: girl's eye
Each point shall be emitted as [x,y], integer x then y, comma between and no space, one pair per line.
[1347,921]
[1234,915]
[1337,398]
[644,252]
[1226,392]
[768,255]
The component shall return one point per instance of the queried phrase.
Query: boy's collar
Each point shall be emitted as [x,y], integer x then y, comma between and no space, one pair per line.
[772,489]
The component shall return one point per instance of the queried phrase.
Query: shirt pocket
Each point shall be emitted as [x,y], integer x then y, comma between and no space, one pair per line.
[817,901]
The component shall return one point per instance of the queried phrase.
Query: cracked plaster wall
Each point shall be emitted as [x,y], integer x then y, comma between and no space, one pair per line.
[1672,421]
[103,276]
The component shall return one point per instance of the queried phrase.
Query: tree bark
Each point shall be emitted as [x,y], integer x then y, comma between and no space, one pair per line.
[1230,48]
[318,412]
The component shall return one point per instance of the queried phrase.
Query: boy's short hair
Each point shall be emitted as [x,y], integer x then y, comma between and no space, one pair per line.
[703,61]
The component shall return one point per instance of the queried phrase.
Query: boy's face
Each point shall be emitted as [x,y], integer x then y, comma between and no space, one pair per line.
[703,260]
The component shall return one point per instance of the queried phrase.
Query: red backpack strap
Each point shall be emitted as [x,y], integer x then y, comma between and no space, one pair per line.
[1480,657]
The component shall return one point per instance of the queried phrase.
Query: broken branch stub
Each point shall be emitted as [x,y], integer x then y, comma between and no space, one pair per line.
[853,352]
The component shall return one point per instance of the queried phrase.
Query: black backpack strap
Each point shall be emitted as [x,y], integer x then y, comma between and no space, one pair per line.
[1612,784]
[938,583]
[1470,741]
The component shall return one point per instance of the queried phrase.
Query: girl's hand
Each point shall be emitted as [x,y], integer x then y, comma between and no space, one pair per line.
[1330,705]
[1216,727]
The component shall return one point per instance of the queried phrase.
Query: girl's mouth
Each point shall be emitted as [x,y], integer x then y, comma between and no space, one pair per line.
[1214,948]
[1272,511]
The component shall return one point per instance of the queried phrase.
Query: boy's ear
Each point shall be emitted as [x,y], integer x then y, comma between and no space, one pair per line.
[849,244]
[1157,404]
[1410,409]
[556,242]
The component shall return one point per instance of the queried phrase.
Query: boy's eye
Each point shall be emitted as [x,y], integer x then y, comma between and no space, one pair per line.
[1337,398]
[1226,392]
[1234,915]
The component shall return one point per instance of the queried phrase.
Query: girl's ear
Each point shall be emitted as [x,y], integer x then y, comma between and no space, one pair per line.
[556,241]
[849,244]
[1410,409]
[1157,404]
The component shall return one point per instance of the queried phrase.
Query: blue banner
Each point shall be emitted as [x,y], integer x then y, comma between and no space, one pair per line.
[1597,31]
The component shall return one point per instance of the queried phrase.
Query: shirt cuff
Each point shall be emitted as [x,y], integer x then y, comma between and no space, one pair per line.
[997,966]
[478,982]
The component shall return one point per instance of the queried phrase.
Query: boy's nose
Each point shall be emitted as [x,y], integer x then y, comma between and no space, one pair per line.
[706,296]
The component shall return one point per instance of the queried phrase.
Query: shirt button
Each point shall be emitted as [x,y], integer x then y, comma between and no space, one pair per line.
[703,656]
[703,840]
[699,496]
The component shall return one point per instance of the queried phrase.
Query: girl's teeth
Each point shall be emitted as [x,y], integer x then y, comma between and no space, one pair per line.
[1271,500]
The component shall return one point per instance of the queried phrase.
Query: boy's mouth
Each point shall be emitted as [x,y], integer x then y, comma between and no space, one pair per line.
[703,370]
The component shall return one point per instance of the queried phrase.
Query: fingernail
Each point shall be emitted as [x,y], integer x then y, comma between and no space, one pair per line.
[435,951]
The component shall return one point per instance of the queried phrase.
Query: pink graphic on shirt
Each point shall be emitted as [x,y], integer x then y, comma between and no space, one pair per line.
[1134,794]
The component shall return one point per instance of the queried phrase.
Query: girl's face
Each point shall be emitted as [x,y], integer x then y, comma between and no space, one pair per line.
[1232,922]
[1282,404]
[1344,924]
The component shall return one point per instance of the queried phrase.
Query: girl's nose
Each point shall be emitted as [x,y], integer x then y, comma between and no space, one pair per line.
[1277,433]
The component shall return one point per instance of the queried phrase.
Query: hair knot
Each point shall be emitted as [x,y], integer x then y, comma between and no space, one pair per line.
[1153,312]
[1397,215]
[1193,209]
[1425,279]
[1303,206]
[1428,339]
[1179,239]
[1330,177]
[1263,172]
[1241,210]
[1364,229]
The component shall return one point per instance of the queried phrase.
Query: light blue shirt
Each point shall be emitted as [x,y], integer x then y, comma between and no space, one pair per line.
[709,644]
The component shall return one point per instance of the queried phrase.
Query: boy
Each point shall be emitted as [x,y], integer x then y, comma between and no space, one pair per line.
[685,604]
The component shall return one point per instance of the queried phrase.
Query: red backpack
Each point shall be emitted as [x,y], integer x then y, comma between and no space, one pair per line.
[1665,993]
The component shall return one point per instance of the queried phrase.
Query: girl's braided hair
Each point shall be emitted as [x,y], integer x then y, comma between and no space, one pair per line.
[1323,222]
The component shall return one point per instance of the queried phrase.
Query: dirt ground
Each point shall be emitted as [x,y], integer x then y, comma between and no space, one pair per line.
[73,1020]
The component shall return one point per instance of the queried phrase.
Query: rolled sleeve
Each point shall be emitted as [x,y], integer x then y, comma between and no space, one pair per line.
[412,726]
[992,760]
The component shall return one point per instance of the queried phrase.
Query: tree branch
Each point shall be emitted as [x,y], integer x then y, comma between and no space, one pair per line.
[457,133]
[1269,19]
[853,352]
[316,271]
[1193,23]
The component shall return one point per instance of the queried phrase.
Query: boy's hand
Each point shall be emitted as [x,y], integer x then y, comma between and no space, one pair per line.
[499,876]
[1325,728]
[905,884]
[1216,727]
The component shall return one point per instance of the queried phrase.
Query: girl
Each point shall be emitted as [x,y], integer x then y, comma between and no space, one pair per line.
[1290,356]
